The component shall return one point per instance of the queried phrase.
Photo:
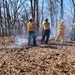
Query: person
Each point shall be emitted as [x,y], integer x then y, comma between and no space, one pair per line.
[73,32]
[45,31]
[31,27]
[60,31]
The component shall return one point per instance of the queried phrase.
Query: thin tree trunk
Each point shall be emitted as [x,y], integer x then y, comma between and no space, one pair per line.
[42,11]
[32,8]
[37,15]
[52,13]
[7,18]
[2,31]
[74,13]
[56,13]
[5,33]
[61,14]
[0,17]
[74,10]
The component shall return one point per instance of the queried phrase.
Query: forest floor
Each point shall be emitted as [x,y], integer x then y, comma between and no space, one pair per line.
[51,59]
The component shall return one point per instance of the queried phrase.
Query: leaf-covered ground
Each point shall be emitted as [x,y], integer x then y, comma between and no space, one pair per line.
[52,59]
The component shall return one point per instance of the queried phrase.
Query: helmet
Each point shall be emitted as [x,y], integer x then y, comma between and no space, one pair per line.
[46,19]
[62,20]
[30,19]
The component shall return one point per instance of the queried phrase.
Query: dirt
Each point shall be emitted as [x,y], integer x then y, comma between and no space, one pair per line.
[51,59]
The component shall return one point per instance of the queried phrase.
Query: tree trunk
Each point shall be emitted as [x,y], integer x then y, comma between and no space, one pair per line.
[34,5]
[7,11]
[31,1]
[61,14]
[42,11]
[2,31]
[37,15]
[5,32]
[74,13]
[0,17]
[52,13]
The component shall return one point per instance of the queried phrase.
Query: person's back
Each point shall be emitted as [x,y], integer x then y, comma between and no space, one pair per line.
[46,31]
[46,25]
[60,31]
[31,27]
[61,26]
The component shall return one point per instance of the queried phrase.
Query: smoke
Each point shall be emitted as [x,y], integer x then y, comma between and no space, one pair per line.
[67,31]
[53,32]
[22,40]
[19,42]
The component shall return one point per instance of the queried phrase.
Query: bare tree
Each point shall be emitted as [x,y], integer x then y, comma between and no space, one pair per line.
[42,10]
[5,33]
[61,15]
[52,12]
[74,9]
[51,7]
[1,26]
[37,15]
[33,9]
[0,18]
[8,18]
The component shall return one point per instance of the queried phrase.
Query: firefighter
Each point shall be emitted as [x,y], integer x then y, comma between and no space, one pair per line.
[60,31]
[73,32]
[31,27]
[45,31]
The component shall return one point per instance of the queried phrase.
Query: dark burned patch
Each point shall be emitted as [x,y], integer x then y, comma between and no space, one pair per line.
[64,44]
[48,46]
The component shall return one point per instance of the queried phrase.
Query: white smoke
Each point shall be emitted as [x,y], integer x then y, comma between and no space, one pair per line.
[53,32]
[19,42]
[22,40]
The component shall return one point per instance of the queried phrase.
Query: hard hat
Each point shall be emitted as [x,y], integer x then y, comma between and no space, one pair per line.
[30,19]
[73,24]
[62,20]
[46,19]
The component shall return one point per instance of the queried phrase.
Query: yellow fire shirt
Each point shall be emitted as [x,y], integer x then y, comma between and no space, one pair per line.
[31,26]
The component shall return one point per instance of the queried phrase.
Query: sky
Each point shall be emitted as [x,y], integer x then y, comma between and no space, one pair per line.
[68,12]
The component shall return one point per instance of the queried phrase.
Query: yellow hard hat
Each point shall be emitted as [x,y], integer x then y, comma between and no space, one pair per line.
[73,24]
[62,20]
[60,23]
